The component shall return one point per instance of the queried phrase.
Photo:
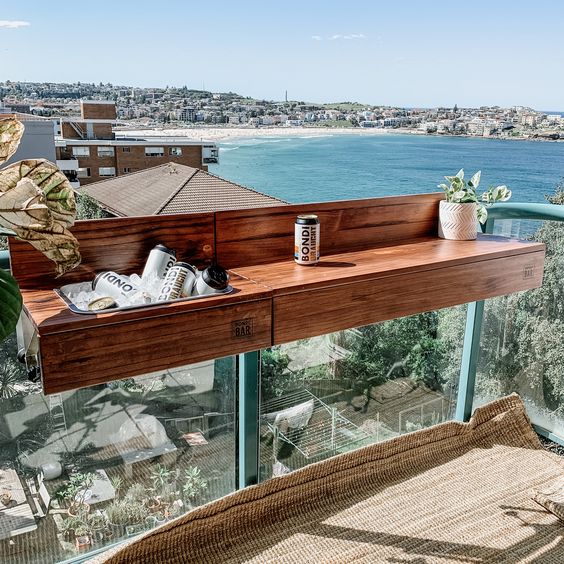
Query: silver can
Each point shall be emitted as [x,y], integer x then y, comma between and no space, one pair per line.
[160,260]
[114,285]
[212,280]
[306,240]
[178,279]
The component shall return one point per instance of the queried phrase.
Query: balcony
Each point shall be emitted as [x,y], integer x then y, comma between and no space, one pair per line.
[68,164]
[369,347]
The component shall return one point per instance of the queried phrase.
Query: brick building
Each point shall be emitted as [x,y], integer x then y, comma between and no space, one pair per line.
[88,149]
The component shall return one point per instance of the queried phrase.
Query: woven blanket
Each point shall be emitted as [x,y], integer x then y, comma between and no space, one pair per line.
[456,492]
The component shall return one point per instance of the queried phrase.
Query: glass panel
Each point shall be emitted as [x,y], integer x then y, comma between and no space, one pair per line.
[522,342]
[86,468]
[331,394]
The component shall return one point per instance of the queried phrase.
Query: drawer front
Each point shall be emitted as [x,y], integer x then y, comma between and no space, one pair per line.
[76,359]
[319,311]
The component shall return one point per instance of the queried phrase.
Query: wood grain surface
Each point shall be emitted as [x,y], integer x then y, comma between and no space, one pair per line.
[390,259]
[318,311]
[120,244]
[261,236]
[95,355]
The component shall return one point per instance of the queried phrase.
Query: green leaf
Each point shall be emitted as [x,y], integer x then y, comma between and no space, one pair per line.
[10,304]
[475,180]
[11,132]
[460,174]
[482,213]
[37,202]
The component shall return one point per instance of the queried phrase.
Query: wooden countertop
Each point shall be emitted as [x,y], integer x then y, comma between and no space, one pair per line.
[51,315]
[392,259]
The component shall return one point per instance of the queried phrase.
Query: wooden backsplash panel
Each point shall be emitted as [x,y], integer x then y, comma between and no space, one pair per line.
[120,244]
[260,236]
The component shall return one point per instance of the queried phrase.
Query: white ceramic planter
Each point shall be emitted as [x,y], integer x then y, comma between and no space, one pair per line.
[457,221]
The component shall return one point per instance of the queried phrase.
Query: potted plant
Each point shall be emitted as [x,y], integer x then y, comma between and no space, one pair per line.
[76,492]
[153,502]
[175,509]
[69,527]
[194,485]
[150,521]
[136,492]
[82,537]
[123,513]
[163,479]
[97,523]
[462,207]
[159,518]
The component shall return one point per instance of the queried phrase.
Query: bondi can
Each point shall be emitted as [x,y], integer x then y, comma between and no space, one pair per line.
[160,260]
[178,282]
[213,280]
[114,285]
[306,242]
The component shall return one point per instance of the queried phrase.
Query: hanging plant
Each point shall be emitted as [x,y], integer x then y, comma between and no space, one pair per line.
[36,205]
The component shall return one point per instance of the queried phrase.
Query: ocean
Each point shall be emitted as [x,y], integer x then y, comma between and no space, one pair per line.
[336,167]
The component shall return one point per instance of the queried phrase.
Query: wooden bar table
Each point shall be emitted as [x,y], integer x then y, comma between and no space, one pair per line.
[381,259]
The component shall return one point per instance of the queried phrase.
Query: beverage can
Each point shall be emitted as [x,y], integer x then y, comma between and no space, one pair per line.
[115,285]
[212,280]
[105,302]
[306,240]
[178,282]
[159,261]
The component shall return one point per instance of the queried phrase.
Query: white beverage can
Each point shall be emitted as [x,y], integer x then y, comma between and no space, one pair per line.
[178,282]
[114,285]
[160,260]
[306,241]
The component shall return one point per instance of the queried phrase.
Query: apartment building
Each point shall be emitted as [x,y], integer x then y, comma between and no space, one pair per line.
[89,150]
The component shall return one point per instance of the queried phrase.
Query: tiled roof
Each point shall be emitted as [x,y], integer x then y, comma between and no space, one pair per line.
[173,188]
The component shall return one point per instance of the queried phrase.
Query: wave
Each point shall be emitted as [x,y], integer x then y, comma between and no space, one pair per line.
[315,136]
[229,148]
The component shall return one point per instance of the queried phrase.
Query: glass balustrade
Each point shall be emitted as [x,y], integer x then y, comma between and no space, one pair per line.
[83,469]
[522,340]
[331,394]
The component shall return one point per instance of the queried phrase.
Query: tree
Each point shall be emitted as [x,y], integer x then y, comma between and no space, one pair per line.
[88,208]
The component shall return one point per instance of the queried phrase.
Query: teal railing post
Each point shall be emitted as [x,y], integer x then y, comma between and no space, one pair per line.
[470,352]
[4,260]
[249,394]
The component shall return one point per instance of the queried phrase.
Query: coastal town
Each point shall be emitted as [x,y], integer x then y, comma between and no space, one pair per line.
[183,108]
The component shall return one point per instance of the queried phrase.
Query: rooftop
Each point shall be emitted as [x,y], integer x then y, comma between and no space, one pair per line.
[174,188]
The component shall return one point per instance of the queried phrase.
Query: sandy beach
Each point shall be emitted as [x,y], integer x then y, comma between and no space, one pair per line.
[229,133]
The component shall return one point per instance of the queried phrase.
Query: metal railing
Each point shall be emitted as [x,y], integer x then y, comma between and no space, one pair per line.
[475,314]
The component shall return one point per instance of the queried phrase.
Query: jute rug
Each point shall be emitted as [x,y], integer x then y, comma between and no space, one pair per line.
[453,493]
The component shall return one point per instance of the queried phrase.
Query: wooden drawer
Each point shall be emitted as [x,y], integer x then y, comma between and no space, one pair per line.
[98,354]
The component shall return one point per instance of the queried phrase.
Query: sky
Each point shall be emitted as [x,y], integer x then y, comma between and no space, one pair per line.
[408,53]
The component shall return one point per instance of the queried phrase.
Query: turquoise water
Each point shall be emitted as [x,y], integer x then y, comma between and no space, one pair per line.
[338,167]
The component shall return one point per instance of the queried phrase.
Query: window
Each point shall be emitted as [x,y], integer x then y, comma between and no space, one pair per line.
[126,169]
[105,151]
[185,429]
[126,149]
[154,151]
[81,151]
[175,151]
[83,172]
[107,171]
